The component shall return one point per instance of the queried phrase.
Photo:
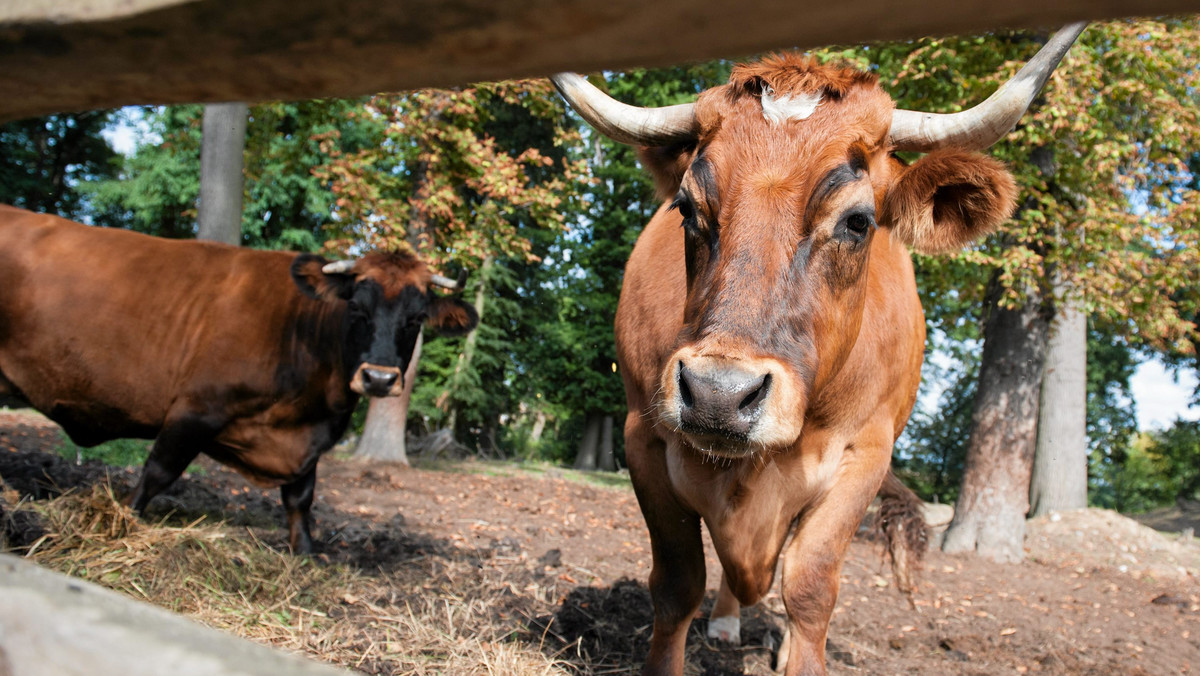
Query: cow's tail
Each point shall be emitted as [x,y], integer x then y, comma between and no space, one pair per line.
[901,525]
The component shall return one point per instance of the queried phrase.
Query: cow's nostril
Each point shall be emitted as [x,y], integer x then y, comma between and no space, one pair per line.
[685,392]
[756,396]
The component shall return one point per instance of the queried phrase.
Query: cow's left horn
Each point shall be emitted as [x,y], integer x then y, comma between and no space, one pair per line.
[338,267]
[985,124]
[625,123]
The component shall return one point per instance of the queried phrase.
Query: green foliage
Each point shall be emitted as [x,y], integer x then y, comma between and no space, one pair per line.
[118,453]
[931,452]
[43,160]
[1156,470]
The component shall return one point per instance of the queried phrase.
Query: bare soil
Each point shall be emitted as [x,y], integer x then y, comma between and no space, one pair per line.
[1098,593]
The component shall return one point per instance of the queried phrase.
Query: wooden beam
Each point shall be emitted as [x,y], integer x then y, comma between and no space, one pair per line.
[54,624]
[58,55]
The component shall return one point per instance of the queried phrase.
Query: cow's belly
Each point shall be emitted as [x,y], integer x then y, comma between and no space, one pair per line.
[276,453]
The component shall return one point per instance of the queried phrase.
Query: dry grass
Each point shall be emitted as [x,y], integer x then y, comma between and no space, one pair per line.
[434,616]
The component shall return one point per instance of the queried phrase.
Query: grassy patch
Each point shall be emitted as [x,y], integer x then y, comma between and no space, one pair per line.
[118,452]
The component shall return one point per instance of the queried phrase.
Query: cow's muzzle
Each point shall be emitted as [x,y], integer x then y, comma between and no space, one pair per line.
[724,401]
[377,381]
[730,407]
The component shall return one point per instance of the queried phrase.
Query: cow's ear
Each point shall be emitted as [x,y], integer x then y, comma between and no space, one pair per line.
[451,316]
[306,272]
[948,199]
[667,164]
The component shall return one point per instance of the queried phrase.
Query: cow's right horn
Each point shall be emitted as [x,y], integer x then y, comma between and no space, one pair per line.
[985,124]
[625,123]
[339,267]
[450,284]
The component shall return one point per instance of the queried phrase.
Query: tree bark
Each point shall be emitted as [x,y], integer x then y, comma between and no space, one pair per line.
[468,353]
[1060,463]
[384,431]
[222,144]
[585,459]
[606,460]
[989,518]
[539,424]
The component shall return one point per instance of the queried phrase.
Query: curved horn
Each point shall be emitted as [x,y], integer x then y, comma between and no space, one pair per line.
[447,283]
[624,123]
[988,122]
[338,267]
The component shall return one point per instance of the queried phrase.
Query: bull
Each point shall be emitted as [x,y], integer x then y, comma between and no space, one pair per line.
[769,331]
[255,358]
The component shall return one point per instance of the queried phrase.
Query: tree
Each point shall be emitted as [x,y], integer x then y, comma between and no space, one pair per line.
[43,160]
[472,178]
[223,141]
[1059,476]
[1104,137]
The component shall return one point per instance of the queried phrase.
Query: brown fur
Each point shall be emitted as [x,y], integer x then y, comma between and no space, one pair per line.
[790,74]
[948,199]
[394,271]
[208,348]
[833,319]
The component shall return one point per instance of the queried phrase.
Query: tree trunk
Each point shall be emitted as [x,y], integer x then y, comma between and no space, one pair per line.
[468,354]
[606,461]
[585,459]
[989,518]
[539,425]
[1060,462]
[387,419]
[222,143]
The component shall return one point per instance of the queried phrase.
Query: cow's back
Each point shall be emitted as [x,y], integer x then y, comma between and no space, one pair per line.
[105,329]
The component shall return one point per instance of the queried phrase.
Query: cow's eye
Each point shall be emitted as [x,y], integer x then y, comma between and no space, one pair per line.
[858,223]
[683,204]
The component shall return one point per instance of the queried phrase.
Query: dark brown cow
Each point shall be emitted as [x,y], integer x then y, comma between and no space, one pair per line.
[256,358]
[769,330]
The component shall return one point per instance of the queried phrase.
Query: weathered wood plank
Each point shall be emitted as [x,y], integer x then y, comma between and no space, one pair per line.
[60,55]
[51,624]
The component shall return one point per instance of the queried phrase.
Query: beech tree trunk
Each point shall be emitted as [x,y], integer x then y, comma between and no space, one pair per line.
[1060,463]
[989,518]
[606,460]
[387,419]
[222,143]
[468,353]
[585,459]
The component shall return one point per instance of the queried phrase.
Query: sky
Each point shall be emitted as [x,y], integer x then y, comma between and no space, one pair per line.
[1160,398]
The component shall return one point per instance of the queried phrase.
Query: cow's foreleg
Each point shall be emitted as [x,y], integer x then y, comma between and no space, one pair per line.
[176,447]
[813,559]
[677,575]
[724,622]
[297,502]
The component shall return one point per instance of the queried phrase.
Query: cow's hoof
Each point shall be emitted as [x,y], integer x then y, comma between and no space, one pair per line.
[726,629]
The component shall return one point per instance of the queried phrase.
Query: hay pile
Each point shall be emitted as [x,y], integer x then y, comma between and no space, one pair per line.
[432,617]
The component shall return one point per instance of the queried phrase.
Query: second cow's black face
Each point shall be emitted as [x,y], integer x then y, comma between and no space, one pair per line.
[388,299]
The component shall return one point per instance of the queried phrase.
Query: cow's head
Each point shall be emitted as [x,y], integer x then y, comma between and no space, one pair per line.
[388,297]
[784,181]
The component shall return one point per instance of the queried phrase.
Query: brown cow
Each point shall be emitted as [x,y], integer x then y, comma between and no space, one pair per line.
[256,358]
[769,330]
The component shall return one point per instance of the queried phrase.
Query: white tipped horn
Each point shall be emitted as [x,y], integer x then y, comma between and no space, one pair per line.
[985,124]
[625,123]
[338,267]
[445,282]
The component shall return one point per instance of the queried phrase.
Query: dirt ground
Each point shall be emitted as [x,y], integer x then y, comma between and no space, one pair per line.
[1098,594]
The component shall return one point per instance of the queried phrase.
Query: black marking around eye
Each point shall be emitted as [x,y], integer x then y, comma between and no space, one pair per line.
[835,179]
